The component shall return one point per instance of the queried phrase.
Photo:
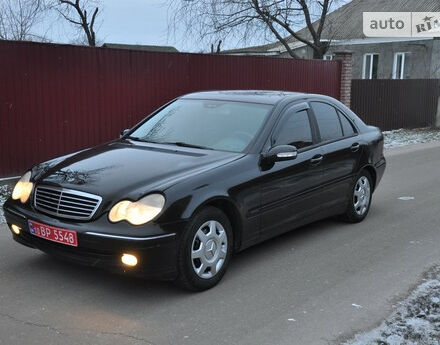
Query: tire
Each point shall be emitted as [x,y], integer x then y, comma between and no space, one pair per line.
[359,199]
[205,250]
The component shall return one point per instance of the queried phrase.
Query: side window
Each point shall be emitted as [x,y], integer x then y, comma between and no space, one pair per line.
[328,121]
[347,127]
[295,130]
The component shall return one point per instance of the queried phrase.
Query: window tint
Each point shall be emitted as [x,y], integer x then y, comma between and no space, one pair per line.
[295,130]
[347,127]
[328,121]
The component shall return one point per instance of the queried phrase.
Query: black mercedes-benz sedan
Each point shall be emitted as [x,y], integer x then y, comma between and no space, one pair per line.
[207,175]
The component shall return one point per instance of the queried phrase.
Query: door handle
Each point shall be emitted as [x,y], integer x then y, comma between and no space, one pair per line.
[355,147]
[317,159]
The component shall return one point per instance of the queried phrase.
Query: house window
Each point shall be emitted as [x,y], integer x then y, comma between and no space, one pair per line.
[399,65]
[371,64]
[328,57]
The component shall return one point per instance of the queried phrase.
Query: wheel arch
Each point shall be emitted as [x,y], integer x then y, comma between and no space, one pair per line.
[373,174]
[230,209]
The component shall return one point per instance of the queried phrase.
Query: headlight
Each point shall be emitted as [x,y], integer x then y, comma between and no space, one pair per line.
[23,188]
[139,212]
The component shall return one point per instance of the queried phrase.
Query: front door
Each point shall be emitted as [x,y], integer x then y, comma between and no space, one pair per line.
[291,190]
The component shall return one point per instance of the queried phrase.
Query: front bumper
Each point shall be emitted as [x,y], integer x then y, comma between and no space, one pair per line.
[156,249]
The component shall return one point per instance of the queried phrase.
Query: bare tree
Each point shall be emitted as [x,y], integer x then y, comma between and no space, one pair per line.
[218,49]
[78,12]
[19,17]
[245,19]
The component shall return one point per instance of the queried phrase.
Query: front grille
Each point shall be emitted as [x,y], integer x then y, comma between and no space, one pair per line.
[66,203]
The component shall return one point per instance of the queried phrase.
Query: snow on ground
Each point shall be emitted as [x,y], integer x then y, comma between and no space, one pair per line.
[415,322]
[5,191]
[401,137]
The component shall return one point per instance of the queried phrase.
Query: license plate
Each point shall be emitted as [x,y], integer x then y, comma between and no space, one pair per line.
[54,234]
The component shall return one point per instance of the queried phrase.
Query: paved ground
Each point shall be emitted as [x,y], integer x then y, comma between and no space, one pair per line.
[316,285]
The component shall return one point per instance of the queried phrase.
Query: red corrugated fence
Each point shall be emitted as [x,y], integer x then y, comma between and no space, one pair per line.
[56,99]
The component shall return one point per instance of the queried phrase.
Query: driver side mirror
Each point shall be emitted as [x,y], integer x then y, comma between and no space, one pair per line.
[125,131]
[281,153]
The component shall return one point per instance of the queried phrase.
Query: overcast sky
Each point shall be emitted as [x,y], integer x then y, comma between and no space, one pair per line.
[136,22]
[127,21]
[120,21]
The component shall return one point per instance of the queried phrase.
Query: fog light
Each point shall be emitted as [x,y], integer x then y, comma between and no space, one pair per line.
[129,260]
[16,229]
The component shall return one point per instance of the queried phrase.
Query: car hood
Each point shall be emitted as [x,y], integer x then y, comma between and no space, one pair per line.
[124,168]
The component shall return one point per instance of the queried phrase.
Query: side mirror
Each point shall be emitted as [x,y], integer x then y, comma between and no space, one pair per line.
[281,153]
[125,131]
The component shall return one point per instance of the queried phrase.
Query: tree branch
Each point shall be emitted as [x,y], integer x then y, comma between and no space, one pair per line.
[324,12]
[18,17]
[215,19]
[86,26]
[267,20]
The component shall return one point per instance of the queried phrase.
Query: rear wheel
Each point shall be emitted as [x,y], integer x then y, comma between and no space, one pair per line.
[205,250]
[360,198]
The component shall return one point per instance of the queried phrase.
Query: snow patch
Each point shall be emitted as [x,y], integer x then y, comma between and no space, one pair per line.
[415,322]
[402,137]
[5,192]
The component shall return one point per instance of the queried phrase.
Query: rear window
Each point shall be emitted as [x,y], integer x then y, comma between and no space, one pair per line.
[328,121]
[347,127]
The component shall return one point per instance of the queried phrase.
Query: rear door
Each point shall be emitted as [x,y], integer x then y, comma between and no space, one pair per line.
[341,150]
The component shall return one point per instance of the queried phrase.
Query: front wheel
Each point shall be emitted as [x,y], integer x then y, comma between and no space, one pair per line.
[359,199]
[205,250]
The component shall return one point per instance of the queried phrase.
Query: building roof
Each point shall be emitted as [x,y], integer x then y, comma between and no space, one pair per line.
[148,48]
[347,21]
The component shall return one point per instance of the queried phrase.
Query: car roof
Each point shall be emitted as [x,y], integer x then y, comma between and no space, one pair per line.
[252,96]
[272,98]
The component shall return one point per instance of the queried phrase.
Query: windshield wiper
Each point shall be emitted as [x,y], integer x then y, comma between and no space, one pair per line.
[183,144]
[143,140]
[177,143]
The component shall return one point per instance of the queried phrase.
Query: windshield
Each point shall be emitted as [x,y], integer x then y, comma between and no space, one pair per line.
[218,125]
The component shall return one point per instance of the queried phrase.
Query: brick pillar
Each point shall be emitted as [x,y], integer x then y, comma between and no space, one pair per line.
[346,59]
